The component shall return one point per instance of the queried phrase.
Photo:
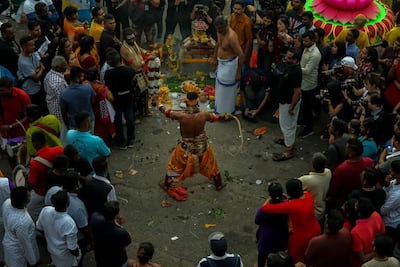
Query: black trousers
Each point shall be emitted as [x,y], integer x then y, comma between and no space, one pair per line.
[308,104]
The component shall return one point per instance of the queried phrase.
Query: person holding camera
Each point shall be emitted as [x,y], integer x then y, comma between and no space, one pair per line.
[205,11]
[335,104]
[265,35]
[372,85]
[344,79]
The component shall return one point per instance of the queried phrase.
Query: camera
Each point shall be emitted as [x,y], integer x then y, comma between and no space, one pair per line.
[200,11]
[257,27]
[348,84]
[336,70]
[363,101]
[323,94]
[200,8]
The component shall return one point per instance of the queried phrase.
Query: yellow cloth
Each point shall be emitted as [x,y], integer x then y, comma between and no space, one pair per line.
[52,136]
[95,31]
[183,163]
[362,40]
[392,35]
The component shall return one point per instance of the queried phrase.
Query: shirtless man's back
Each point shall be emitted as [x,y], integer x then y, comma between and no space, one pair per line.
[191,125]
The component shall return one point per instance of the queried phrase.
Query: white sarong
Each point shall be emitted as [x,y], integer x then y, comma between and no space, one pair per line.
[288,123]
[226,85]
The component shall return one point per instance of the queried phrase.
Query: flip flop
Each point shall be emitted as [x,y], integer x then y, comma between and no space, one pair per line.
[281,157]
[279,141]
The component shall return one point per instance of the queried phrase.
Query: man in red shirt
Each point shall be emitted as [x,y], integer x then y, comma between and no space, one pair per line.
[368,225]
[13,102]
[346,176]
[40,165]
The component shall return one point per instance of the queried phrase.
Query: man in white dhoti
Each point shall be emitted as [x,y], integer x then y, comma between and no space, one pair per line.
[289,98]
[230,59]
[19,241]
[60,231]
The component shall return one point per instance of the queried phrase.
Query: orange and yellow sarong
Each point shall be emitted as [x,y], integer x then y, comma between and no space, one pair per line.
[185,161]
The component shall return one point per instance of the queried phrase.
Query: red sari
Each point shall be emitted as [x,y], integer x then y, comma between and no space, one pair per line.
[104,129]
[304,225]
[89,61]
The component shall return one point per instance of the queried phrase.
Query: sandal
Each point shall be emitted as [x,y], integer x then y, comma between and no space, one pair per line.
[279,141]
[281,156]
[165,184]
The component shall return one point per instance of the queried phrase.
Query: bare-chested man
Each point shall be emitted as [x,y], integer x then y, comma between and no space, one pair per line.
[230,59]
[193,154]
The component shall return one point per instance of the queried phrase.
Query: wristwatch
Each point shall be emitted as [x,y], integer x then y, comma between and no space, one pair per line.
[10,126]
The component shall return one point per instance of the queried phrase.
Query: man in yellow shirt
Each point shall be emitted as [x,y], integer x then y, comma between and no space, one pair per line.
[97,26]
[359,23]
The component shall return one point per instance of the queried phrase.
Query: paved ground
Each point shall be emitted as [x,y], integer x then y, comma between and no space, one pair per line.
[232,210]
[178,232]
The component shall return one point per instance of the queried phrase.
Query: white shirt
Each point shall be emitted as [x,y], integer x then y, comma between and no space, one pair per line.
[60,231]
[29,5]
[19,240]
[317,184]
[309,66]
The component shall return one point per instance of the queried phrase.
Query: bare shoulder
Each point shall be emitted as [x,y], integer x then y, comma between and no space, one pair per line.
[205,115]
[155,264]
[232,33]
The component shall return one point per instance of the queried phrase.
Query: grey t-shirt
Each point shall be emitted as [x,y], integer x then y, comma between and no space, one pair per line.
[27,66]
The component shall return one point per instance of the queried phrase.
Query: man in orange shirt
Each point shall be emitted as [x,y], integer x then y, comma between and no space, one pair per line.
[242,25]
[72,27]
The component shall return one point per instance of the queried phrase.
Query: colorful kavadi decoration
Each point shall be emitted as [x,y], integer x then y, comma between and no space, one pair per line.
[335,15]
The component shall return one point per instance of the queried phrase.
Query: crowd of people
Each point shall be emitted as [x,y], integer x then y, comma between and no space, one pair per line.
[69,86]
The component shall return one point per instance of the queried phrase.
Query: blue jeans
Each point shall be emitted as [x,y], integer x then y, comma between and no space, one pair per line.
[129,114]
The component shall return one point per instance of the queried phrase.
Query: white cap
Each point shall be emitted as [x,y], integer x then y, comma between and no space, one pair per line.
[349,62]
